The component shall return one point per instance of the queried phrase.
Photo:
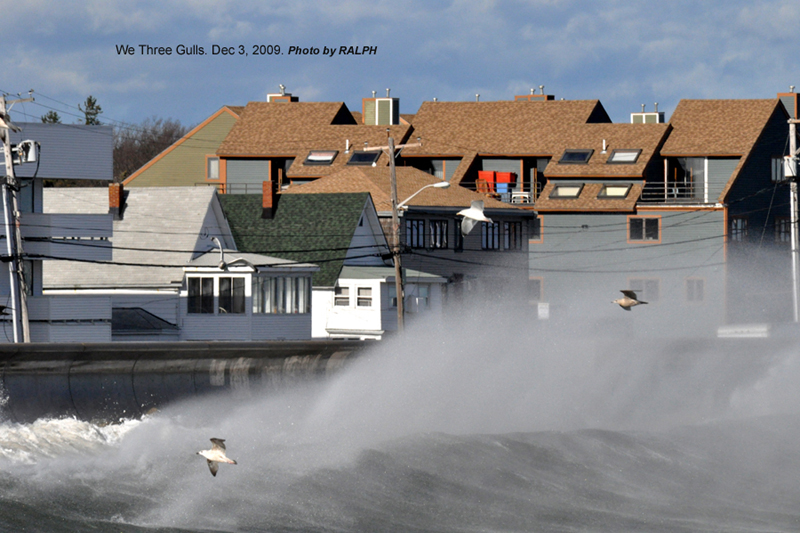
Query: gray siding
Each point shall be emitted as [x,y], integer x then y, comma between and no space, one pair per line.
[245,176]
[68,151]
[502,165]
[719,173]
[584,260]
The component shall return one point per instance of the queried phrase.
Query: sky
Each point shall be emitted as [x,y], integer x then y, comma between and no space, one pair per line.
[623,53]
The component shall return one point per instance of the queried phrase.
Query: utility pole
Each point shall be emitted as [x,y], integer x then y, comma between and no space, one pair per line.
[792,175]
[10,186]
[395,244]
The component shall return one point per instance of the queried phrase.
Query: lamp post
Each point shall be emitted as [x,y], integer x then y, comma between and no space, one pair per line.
[398,271]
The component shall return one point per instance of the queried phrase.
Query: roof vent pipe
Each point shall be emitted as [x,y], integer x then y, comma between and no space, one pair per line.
[347,146]
[374,93]
[435,99]
[642,108]
[283,89]
[541,88]
[533,91]
[387,93]
[656,104]
[604,146]
[791,88]
[477,98]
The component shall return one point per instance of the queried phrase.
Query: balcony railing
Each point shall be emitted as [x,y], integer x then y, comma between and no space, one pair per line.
[683,193]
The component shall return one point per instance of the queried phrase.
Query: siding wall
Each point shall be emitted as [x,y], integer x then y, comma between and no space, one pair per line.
[185,164]
[719,173]
[584,260]
[246,176]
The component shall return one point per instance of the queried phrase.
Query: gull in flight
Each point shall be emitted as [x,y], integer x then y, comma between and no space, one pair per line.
[628,300]
[216,455]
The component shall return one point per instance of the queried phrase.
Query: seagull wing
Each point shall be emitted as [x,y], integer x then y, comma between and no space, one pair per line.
[213,466]
[218,444]
[629,294]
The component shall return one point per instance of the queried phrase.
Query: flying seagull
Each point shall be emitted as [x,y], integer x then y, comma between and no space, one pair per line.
[628,300]
[472,215]
[216,455]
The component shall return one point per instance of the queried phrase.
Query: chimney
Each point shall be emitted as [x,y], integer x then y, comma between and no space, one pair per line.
[116,200]
[269,200]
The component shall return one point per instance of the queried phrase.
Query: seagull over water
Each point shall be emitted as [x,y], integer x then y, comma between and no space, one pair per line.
[216,455]
[628,300]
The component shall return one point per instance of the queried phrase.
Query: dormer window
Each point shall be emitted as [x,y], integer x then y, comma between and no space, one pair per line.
[566,191]
[575,157]
[614,191]
[364,158]
[320,157]
[623,157]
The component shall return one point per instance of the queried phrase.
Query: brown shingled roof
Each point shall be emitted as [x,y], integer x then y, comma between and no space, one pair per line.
[717,127]
[644,137]
[293,130]
[377,182]
[505,127]
[588,200]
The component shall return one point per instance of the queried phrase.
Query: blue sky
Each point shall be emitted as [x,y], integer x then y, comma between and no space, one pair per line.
[624,53]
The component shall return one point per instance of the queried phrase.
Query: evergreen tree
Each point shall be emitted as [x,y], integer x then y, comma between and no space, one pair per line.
[51,118]
[91,111]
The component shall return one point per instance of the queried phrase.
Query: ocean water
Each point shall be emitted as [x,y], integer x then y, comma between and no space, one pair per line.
[446,435]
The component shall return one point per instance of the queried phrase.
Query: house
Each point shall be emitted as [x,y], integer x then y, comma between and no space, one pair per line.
[353,291]
[191,160]
[157,231]
[298,142]
[228,295]
[660,209]
[493,259]
[462,139]
[63,152]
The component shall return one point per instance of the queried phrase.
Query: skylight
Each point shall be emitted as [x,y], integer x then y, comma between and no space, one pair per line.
[615,191]
[566,191]
[623,157]
[575,157]
[320,157]
[364,158]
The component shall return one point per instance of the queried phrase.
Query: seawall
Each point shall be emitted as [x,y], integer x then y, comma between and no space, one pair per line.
[108,381]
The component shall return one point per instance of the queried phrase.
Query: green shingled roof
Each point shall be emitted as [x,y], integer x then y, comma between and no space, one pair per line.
[310,228]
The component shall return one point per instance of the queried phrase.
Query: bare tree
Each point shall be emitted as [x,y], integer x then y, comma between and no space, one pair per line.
[135,145]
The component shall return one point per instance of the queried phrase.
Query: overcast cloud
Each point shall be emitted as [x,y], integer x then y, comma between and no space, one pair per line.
[624,53]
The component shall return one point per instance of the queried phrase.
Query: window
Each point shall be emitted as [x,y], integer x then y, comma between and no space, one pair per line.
[566,191]
[738,229]
[282,295]
[536,231]
[778,170]
[415,233]
[614,191]
[364,297]
[201,295]
[623,157]
[512,235]
[783,229]
[644,228]
[231,295]
[341,296]
[212,168]
[458,244]
[490,235]
[534,290]
[695,290]
[438,234]
[364,158]
[575,157]
[647,290]
[320,157]
[423,296]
